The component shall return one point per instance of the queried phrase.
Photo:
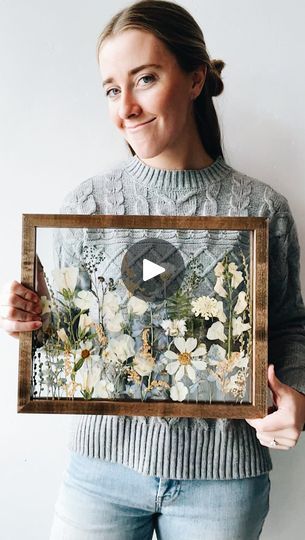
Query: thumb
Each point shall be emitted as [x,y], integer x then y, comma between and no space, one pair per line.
[273,382]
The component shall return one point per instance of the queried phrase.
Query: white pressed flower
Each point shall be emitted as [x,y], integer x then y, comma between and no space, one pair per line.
[238,359]
[216,354]
[109,357]
[220,312]
[85,351]
[219,287]
[88,377]
[109,303]
[143,365]
[62,335]
[114,322]
[136,305]
[185,362]
[219,269]
[216,331]
[237,384]
[178,392]
[103,389]
[45,304]
[237,276]
[122,346]
[241,303]
[205,306]
[84,322]
[65,278]
[174,328]
[84,299]
[238,327]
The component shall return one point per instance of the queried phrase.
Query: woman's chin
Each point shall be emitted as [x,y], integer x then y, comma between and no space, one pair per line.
[145,153]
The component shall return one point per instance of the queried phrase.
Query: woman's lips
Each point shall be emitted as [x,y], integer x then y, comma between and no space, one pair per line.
[139,126]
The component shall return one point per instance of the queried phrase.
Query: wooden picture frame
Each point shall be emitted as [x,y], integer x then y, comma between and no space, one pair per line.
[230,364]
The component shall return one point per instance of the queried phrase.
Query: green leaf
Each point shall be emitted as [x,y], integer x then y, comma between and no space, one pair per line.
[78,364]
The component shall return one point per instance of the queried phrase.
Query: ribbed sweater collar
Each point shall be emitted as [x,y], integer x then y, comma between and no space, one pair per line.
[176,179]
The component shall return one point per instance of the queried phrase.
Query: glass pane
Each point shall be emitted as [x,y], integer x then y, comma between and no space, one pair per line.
[144,314]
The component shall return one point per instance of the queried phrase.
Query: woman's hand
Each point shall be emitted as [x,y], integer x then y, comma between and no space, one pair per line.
[19,309]
[286,423]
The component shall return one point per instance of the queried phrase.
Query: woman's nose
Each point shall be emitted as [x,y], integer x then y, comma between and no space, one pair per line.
[128,105]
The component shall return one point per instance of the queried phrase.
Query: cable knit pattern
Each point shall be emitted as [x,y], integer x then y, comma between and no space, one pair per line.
[186,448]
[240,198]
[210,204]
[114,193]
[81,200]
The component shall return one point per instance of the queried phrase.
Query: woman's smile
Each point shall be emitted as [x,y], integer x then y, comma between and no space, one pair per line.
[139,126]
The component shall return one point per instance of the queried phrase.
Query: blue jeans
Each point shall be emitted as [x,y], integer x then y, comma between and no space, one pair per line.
[109,501]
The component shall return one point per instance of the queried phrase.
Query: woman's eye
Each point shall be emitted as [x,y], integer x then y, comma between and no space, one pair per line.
[108,91]
[147,77]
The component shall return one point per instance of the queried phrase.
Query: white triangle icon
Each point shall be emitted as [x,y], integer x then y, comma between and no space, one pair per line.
[151,269]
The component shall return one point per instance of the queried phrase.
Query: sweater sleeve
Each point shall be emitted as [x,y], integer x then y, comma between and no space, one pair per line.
[286,306]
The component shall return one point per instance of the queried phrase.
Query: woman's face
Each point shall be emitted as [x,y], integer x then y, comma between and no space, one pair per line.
[151,105]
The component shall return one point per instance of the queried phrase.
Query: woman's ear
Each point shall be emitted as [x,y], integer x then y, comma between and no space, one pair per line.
[198,80]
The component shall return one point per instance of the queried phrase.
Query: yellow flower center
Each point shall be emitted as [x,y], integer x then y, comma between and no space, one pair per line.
[85,353]
[184,358]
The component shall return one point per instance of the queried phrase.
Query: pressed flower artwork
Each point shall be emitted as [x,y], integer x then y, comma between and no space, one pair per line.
[102,340]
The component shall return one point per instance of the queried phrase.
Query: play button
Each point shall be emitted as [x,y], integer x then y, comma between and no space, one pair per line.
[152,269]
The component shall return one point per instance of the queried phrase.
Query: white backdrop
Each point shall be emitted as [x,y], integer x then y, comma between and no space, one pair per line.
[54,133]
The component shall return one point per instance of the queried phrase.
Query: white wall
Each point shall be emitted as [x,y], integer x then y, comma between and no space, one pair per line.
[54,133]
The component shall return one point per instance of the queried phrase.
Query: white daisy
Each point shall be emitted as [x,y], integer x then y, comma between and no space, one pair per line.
[185,362]
[86,351]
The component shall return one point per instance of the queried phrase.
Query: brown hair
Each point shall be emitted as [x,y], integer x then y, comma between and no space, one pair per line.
[183,37]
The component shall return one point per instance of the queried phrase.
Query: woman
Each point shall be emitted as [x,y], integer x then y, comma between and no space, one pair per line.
[129,476]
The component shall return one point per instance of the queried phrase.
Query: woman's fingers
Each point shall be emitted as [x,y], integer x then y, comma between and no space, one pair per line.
[16,288]
[286,439]
[14,298]
[282,443]
[13,327]
[20,309]
[14,301]
[14,314]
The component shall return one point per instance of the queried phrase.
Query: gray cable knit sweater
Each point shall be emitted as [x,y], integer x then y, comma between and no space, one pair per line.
[197,448]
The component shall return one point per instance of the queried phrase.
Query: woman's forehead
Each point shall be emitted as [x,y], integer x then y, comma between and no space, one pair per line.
[132,47]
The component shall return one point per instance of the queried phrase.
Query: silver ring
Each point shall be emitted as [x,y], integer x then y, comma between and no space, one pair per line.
[274,443]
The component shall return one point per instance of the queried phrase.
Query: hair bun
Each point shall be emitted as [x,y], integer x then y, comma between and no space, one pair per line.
[214,82]
[218,65]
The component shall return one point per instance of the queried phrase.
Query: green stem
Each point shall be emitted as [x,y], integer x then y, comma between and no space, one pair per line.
[229,348]
[151,331]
